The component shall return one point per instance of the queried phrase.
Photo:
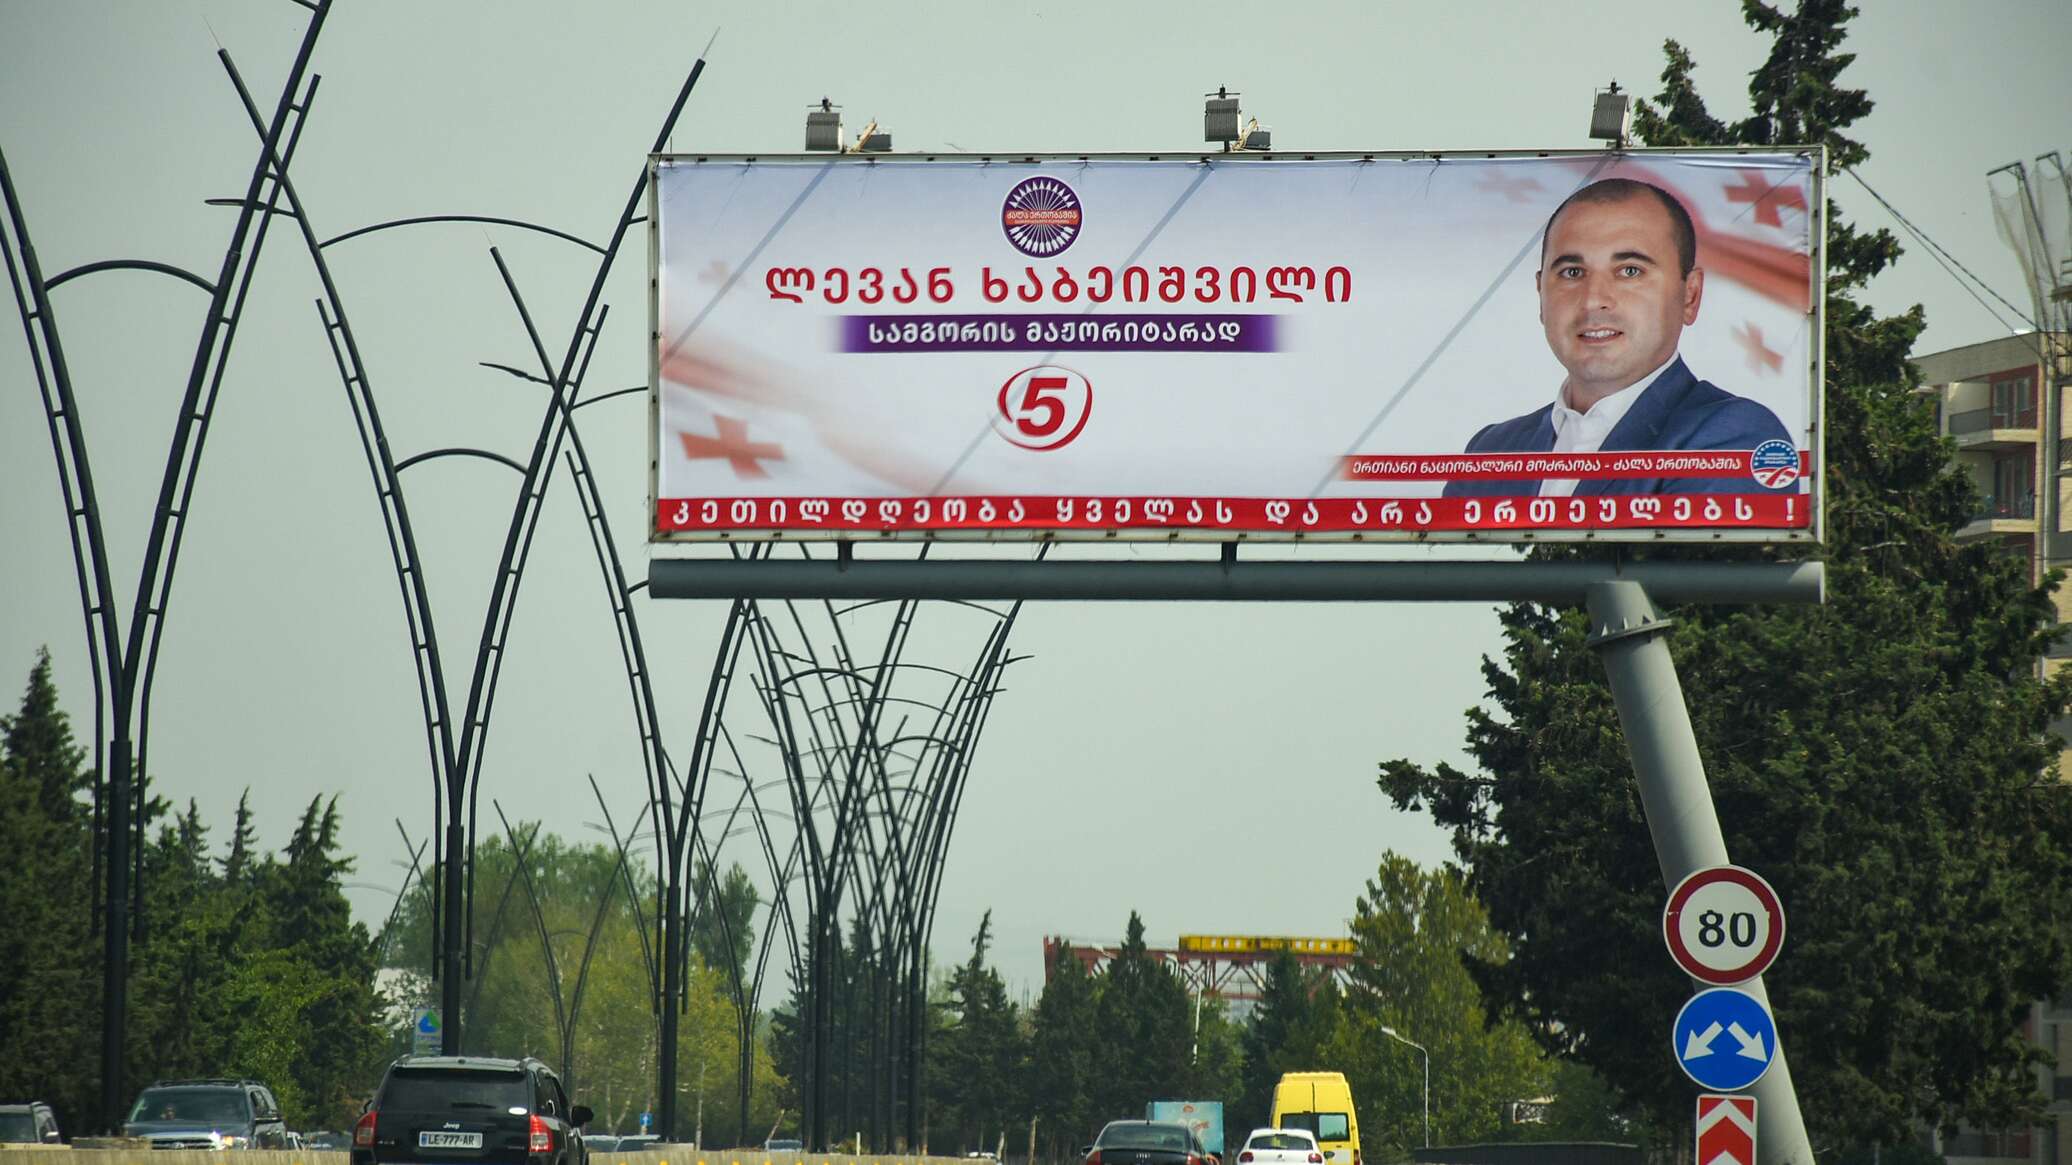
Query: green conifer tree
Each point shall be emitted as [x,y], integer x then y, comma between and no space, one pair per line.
[1885,759]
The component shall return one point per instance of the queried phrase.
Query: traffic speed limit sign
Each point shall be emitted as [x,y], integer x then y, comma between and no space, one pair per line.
[1723,925]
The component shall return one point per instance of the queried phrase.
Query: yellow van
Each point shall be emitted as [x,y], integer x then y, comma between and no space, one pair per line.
[1321,1103]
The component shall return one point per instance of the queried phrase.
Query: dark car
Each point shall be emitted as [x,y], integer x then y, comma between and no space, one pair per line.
[28,1124]
[470,1110]
[207,1114]
[1148,1143]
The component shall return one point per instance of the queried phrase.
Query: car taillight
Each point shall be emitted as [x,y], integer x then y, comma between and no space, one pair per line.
[1245,1158]
[363,1132]
[540,1138]
[1094,1158]
[1318,1159]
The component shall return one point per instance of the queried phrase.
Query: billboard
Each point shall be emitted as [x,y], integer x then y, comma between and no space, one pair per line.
[1614,345]
[1205,1117]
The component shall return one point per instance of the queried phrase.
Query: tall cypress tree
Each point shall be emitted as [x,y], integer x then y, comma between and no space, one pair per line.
[1144,1027]
[1884,759]
[50,985]
[1061,1071]
[976,1062]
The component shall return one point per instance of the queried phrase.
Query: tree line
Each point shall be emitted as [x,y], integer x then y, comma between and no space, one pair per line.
[248,962]
[1098,1046]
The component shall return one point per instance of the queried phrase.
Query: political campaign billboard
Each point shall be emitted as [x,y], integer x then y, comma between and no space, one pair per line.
[1495,346]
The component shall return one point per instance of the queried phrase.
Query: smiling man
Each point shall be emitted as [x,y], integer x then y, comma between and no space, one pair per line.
[1618,283]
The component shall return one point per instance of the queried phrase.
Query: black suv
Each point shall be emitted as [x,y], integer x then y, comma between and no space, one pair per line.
[470,1110]
[208,1114]
[28,1124]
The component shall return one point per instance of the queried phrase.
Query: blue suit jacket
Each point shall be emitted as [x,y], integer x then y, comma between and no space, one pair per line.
[1677,411]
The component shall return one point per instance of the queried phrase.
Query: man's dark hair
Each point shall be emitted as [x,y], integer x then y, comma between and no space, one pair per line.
[1621,189]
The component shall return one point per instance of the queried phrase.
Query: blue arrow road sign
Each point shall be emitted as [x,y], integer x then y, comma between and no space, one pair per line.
[1724,1039]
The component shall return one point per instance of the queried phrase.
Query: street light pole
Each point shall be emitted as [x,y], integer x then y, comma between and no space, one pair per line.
[1393,1034]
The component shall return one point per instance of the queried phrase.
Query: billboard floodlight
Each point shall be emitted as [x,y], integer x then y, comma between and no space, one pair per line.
[878,142]
[824,127]
[1220,119]
[1608,116]
[1257,137]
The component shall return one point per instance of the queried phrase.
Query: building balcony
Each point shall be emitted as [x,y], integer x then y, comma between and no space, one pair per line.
[1997,517]
[1993,429]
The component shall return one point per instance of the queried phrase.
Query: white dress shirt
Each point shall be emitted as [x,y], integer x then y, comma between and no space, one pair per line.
[1585,432]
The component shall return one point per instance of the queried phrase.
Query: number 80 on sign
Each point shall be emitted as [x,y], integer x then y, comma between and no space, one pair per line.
[1723,925]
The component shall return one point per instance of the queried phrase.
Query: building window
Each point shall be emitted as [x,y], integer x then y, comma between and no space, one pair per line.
[2014,486]
[2014,403]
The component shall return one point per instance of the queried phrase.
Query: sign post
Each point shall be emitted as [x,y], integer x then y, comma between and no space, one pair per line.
[425,1031]
[1628,632]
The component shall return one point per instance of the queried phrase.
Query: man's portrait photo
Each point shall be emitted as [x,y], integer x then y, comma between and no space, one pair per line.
[1618,282]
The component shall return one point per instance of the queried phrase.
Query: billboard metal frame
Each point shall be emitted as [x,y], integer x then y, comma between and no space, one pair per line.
[1814,532]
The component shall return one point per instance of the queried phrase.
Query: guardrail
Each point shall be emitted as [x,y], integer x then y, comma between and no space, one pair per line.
[673,1155]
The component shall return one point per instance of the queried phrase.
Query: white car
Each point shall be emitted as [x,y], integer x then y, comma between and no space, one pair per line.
[1280,1147]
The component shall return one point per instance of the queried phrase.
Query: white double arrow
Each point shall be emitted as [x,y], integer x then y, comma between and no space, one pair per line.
[1698,1044]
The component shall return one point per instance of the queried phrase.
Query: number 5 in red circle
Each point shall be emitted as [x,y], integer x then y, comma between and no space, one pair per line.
[1044,407]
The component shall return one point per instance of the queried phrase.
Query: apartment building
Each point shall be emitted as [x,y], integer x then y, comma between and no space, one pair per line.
[2007,405]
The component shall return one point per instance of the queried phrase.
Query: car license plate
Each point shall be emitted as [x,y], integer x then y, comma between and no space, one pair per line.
[449,1140]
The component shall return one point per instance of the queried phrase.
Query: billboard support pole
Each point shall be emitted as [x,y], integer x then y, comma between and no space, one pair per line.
[1626,631]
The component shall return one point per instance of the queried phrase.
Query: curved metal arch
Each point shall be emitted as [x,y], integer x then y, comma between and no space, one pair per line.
[517,545]
[233,284]
[539,918]
[410,578]
[484,454]
[607,396]
[181,273]
[419,220]
[972,603]
[781,874]
[97,604]
[647,954]
[875,695]
[461,775]
[125,659]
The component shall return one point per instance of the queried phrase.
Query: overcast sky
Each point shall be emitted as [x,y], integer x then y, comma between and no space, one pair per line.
[1210,766]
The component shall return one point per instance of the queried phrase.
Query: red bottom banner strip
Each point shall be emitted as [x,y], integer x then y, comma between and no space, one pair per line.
[1239,515]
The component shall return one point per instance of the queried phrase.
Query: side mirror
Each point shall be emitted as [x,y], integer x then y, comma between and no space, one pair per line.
[580,1115]
[50,1137]
[1085,1149]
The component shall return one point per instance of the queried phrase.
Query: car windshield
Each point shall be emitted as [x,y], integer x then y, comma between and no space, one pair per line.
[436,1090]
[17,1126]
[1169,1137]
[1280,1141]
[191,1105]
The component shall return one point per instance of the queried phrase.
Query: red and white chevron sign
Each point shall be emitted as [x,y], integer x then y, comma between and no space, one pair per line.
[1726,1130]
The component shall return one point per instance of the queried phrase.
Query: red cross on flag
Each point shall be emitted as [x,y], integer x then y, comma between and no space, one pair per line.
[1726,1130]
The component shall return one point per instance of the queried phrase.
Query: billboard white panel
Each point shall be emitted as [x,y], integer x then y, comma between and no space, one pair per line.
[1343,346]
